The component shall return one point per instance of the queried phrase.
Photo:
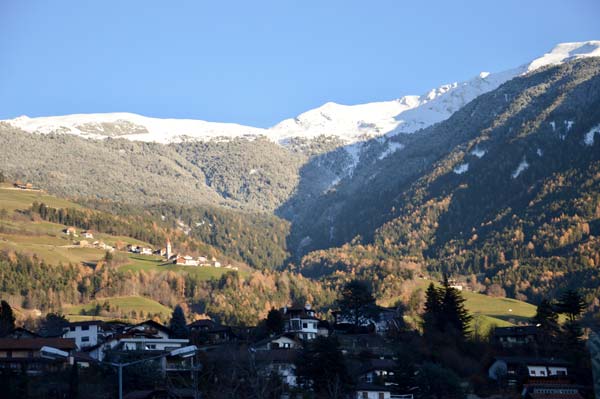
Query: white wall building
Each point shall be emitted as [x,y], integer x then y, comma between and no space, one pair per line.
[86,333]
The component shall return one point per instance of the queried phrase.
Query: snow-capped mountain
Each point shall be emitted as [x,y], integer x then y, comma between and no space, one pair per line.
[133,127]
[350,123]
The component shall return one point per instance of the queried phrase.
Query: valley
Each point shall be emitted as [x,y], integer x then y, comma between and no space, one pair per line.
[299,200]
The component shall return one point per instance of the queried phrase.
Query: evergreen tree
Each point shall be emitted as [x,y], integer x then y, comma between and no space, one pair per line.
[545,316]
[571,304]
[433,310]
[455,315]
[7,319]
[275,322]
[322,367]
[178,324]
[437,382]
[357,303]
[53,325]
[548,328]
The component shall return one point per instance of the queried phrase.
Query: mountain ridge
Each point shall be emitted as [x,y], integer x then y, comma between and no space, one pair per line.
[350,123]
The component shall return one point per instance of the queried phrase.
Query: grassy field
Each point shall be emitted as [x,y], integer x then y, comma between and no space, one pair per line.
[12,199]
[125,304]
[156,263]
[46,239]
[51,253]
[488,311]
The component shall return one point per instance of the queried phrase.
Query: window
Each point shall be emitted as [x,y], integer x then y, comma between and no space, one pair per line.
[304,325]
[85,328]
[85,339]
[381,395]
[542,372]
[365,395]
[295,324]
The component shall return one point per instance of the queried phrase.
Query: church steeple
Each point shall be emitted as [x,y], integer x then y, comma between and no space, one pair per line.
[168,253]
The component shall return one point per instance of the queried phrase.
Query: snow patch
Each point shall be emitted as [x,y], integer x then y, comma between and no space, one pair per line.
[539,152]
[589,136]
[569,125]
[392,147]
[553,124]
[460,169]
[520,169]
[479,153]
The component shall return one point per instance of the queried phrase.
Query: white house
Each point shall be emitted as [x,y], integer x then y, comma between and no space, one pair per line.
[370,391]
[301,322]
[378,371]
[86,333]
[509,366]
[186,261]
[281,341]
[145,251]
[281,362]
[203,260]
[146,336]
[87,234]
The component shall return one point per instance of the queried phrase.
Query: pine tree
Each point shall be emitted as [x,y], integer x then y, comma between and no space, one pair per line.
[455,315]
[357,303]
[571,304]
[7,319]
[53,325]
[433,310]
[275,321]
[178,324]
[322,366]
[546,320]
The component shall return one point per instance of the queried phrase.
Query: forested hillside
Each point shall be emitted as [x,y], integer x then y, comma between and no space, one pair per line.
[506,189]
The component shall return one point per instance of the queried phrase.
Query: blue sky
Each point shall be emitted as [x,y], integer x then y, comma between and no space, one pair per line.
[258,62]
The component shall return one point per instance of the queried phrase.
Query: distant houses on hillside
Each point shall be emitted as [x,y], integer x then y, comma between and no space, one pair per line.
[25,186]
[179,259]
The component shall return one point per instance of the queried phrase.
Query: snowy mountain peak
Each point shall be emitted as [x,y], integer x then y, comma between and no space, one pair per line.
[565,52]
[350,123]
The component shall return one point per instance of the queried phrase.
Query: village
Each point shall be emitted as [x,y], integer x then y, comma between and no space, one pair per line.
[170,258]
[182,350]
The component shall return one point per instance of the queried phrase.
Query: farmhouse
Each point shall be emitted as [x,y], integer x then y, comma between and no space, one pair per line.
[145,251]
[70,231]
[186,260]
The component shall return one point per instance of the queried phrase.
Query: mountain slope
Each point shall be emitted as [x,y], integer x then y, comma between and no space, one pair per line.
[320,170]
[507,188]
